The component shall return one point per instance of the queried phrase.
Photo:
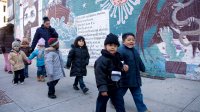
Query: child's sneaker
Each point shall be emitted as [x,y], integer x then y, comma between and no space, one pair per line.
[42,79]
[85,90]
[15,84]
[75,87]
[22,83]
[38,79]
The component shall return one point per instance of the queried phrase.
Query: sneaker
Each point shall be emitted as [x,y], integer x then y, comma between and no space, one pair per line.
[10,72]
[75,87]
[15,84]
[85,90]
[52,96]
[22,83]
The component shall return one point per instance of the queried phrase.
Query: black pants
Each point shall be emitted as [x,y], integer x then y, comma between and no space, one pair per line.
[117,101]
[52,85]
[19,76]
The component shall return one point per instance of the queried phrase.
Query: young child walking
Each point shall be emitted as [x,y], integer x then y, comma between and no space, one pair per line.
[39,53]
[132,80]
[78,59]
[16,58]
[25,47]
[54,66]
[108,68]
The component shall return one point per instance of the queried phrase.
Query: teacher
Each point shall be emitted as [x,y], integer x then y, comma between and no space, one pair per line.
[45,32]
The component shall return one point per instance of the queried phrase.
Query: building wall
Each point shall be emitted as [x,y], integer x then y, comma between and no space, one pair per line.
[167,32]
[3,12]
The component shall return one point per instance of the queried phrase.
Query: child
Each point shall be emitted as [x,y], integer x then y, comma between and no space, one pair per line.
[108,68]
[39,52]
[16,58]
[27,50]
[78,59]
[132,80]
[54,66]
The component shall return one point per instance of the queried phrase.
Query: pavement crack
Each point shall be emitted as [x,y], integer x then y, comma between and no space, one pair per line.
[190,103]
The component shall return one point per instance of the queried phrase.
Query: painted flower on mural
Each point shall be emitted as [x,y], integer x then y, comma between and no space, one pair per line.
[121,8]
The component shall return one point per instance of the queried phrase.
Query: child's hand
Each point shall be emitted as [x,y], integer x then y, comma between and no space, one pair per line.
[104,94]
[125,67]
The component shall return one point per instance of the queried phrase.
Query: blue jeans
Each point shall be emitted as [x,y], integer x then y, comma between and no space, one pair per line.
[79,79]
[117,101]
[137,97]
[41,71]
[26,70]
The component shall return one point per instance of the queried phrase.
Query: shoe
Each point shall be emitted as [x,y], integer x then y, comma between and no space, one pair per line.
[15,84]
[85,90]
[22,83]
[10,72]
[38,79]
[52,96]
[26,76]
[76,87]
[42,79]
[5,70]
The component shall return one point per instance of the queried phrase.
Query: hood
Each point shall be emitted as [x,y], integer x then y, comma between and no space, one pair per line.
[50,49]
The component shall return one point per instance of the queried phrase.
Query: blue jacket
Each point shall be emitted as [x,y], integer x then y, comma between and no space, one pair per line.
[132,58]
[40,56]
[45,33]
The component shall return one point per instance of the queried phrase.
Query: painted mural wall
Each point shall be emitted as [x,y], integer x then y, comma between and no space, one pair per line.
[167,31]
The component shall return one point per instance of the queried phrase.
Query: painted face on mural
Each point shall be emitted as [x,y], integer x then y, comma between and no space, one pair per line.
[81,43]
[47,24]
[129,41]
[111,48]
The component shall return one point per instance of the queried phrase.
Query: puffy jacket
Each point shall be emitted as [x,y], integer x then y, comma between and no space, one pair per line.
[39,53]
[6,40]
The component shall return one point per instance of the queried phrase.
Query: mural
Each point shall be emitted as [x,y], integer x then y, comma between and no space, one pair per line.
[167,31]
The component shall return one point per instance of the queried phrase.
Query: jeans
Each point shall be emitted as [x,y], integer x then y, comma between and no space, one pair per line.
[117,101]
[19,76]
[51,86]
[137,97]
[26,70]
[41,71]
[79,79]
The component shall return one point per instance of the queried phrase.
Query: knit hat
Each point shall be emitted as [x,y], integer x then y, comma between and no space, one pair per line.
[111,39]
[45,19]
[15,44]
[53,41]
[41,42]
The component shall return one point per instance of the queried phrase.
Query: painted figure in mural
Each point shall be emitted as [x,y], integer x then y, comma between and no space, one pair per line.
[25,47]
[131,79]
[39,53]
[174,25]
[17,57]
[45,32]
[54,66]
[6,39]
[78,59]
[108,68]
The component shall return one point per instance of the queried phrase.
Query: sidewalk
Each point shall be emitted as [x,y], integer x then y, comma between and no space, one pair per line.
[170,95]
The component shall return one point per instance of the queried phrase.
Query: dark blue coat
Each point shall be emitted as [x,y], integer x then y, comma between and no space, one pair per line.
[132,58]
[44,33]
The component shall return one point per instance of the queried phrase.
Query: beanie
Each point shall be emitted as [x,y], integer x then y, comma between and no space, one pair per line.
[15,44]
[41,41]
[45,19]
[52,41]
[111,39]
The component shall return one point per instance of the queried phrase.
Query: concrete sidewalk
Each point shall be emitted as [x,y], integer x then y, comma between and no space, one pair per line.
[170,95]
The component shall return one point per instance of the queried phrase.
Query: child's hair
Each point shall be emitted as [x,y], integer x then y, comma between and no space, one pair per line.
[125,35]
[78,39]
[25,41]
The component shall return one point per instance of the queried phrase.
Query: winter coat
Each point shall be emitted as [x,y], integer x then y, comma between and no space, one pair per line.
[104,66]
[54,64]
[6,40]
[45,33]
[132,58]
[39,53]
[78,59]
[17,59]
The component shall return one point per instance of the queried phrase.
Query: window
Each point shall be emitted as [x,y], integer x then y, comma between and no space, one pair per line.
[4,19]
[4,8]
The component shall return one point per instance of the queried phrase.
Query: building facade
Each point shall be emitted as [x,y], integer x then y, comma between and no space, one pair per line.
[3,12]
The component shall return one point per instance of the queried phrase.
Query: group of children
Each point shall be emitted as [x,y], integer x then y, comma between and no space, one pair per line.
[116,70]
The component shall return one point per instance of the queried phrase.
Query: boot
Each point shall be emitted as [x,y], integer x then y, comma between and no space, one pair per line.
[38,78]
[42,79]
